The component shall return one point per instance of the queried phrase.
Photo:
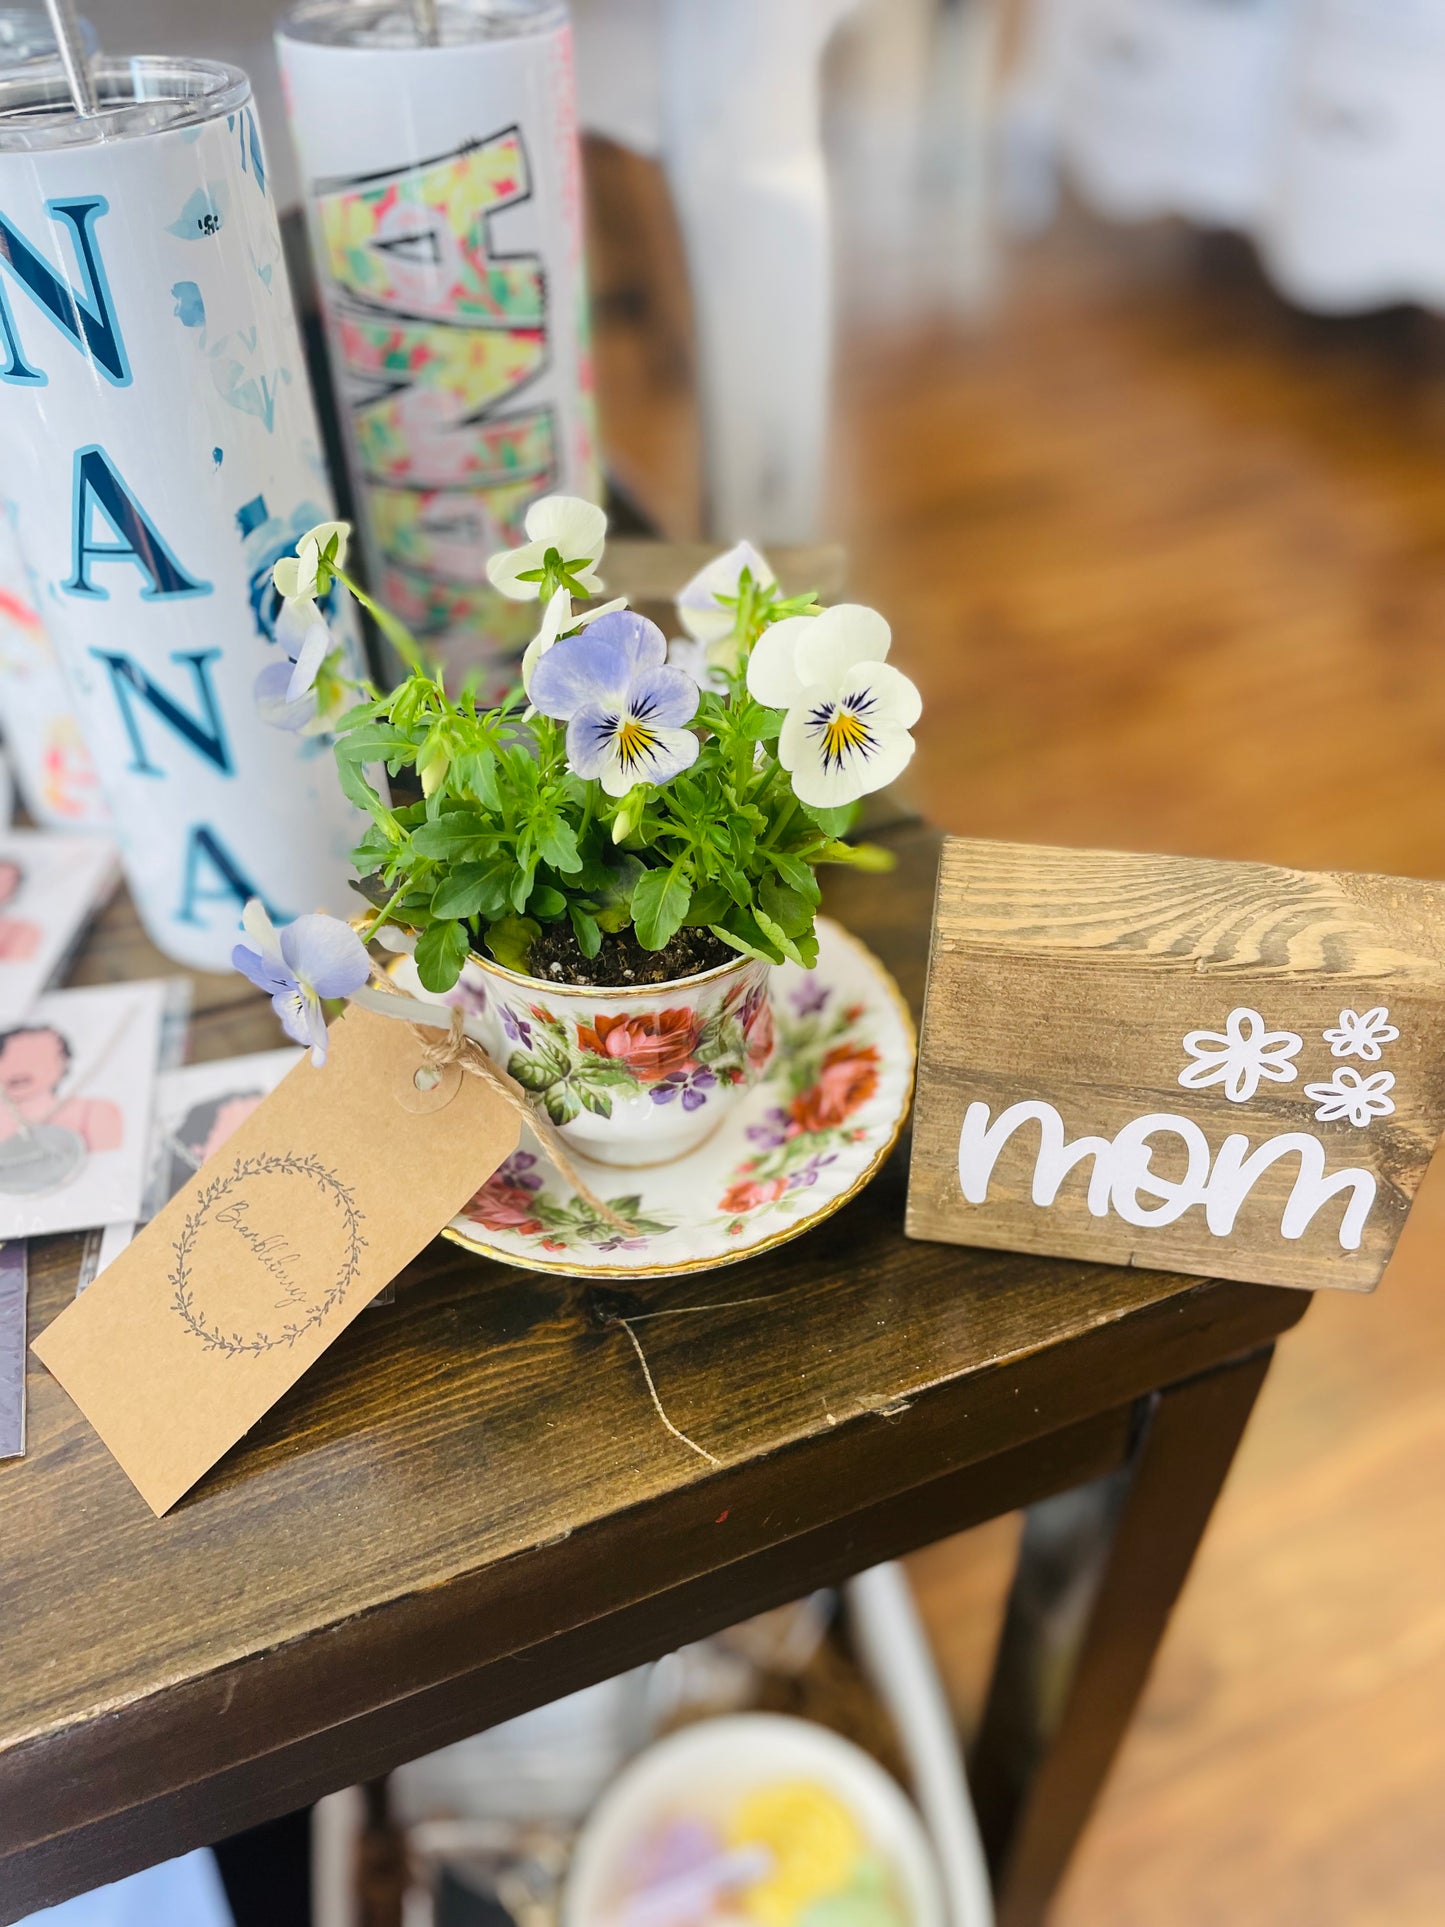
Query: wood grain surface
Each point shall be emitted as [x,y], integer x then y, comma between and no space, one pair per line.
[1073,977]
[469,1505]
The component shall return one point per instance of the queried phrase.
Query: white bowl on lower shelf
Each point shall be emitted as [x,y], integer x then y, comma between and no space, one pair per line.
[707,1767]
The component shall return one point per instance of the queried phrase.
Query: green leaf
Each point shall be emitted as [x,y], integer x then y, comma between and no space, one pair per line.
[709,904]
[522,882]
[833,822]
[786,907]
[561,1102]
[532,1073]
[558,845]
[510,941]
[357,790]
[450,835]
[477,772]
[862,856]
[795,872]
[470,890]
[659,904]
[440,953]
[598,1102]
[589,937]
[380,742]
[546,903]
[742,932]
[775,933]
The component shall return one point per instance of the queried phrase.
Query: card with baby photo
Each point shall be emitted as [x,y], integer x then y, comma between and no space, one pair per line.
[196,1109]
[76,1083]
[50,887]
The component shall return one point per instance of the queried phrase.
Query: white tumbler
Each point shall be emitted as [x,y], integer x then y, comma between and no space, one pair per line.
[443,194]
[161,448]
[42,738]
[43,743]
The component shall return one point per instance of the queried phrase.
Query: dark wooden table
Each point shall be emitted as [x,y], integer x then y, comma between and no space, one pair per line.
[469,1506]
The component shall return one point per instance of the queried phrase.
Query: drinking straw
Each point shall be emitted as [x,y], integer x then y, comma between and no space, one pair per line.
[71,48]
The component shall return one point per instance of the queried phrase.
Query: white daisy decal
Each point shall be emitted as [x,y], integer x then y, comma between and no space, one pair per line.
[1239,1056]
[1349,1095]
[849,713]
[1361,1035]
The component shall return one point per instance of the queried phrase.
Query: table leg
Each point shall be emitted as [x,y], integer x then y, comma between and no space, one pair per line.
[1099,1571]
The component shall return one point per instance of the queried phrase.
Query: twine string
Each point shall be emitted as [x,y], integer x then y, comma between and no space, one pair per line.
[441,1049]
[691,1444]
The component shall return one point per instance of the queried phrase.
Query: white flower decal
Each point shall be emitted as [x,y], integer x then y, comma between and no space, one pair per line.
[1349,1095]
[1361,1036]
[848,712]
[563,547]
[1239,1056]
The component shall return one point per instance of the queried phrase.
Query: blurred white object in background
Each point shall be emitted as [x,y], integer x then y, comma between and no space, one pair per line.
[1356,213]
[704,1768]
[1313,125]
[910,88]
[893,1648]
[728,98]
[1173,106]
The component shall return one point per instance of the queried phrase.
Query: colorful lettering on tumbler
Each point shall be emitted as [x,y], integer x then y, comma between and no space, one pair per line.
[434,332]
[98,486]
[206,737]
[206,852]
[86,317]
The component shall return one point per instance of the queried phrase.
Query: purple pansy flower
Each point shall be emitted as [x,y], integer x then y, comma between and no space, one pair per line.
[517,1028]
[809,997]
[691,1086]
[285,692]
[467,996]
[520,1170]
[807,1174]
[314,957]
[623,703]
[773,1131]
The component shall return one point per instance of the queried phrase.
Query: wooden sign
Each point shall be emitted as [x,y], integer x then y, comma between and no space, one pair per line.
[1213,1067]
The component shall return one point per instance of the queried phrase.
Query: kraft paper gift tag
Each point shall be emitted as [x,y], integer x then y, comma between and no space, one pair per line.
[240,1283]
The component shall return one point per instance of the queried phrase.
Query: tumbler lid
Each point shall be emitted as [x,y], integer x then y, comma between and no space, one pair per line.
[142,94]
[394,24]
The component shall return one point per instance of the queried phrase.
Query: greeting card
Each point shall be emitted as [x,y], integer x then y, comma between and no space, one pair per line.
[50,886]
[76,1082]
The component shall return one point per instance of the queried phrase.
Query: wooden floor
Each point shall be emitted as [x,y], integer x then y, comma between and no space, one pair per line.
[1169,563]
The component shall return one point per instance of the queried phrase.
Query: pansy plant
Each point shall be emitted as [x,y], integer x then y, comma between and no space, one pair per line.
[623,786]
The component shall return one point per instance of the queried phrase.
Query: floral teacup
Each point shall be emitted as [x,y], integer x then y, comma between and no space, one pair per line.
[630,1076]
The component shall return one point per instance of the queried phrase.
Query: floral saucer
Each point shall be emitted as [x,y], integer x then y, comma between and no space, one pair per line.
[803,1140]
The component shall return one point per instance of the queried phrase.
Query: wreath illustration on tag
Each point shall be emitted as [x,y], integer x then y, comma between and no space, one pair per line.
[303,1314]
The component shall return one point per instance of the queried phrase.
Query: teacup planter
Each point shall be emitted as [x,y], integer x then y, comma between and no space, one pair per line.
[605,868]
[631,1077]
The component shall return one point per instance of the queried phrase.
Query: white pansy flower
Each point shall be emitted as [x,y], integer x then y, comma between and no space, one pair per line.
[557,618]
[848,711]
[1349,1095]
[1239,1056]
[1359,1035]
[684,653]
[300,578]
[561,526]
[698,609]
